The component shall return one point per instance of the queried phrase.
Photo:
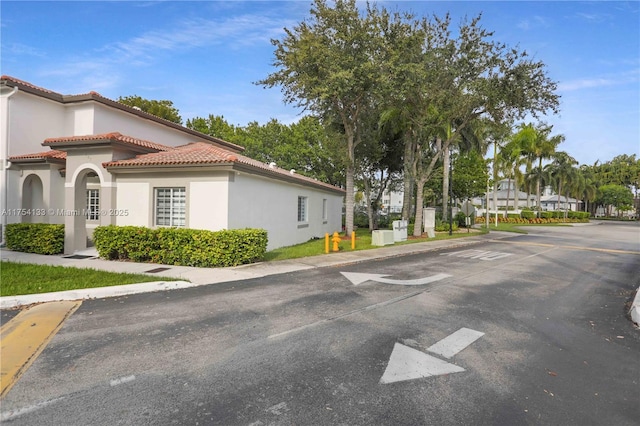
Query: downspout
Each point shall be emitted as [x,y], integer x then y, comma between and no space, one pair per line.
[5,166]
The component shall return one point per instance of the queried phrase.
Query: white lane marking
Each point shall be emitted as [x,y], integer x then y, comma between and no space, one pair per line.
[278,409]
[121,380]
[358,278]
[6,416]
[346,314]
[454,343]
[407,363]
[478,254]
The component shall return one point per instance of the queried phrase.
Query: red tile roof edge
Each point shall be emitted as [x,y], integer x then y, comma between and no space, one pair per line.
[111,137]
[186,155]
[54,153]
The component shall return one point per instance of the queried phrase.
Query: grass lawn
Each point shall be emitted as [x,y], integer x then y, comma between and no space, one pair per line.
[24,278]
[363,242]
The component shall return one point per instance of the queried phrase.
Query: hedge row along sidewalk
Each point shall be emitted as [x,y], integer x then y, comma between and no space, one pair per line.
[181,246]
[40,238]
[169,246]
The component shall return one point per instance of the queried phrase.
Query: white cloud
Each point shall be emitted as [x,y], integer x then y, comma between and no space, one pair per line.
[534,22]
[631,76]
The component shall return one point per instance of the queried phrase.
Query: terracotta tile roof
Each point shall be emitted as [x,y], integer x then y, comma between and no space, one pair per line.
[53,154]
[193,153]
[105,137]
[202,153]
[27,84]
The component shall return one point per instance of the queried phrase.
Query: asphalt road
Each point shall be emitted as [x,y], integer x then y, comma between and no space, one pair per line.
[550,345]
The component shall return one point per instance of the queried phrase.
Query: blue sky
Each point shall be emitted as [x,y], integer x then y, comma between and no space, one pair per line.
[204,56]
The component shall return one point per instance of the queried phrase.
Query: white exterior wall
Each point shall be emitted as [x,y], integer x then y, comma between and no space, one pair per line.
[32,119]
[224,200]
[111,120]
[206,198]
[208,204]
[256,202]
[79,119]
[133,199]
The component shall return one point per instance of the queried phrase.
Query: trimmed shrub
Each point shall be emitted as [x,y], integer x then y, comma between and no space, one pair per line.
[442,226]
[181,246]
[40,238]
[528,214]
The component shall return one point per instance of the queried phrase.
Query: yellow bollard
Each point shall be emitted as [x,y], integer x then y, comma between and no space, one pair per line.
[336,241]
[353,240]
[326,243]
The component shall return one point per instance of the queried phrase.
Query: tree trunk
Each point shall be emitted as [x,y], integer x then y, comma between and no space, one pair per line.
[538,207]
[349,199]
[516,195]
[417,227]
[559,192]
[446,160]
[506,207]
[367,199]
[409,153]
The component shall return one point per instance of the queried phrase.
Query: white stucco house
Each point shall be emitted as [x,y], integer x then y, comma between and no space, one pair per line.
[85,160]
[549,200]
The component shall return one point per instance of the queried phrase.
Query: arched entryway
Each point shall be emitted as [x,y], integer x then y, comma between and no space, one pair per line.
[33,199]
[84,201]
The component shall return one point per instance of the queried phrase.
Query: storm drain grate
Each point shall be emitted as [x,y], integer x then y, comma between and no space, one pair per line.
[78,256]
[154,271]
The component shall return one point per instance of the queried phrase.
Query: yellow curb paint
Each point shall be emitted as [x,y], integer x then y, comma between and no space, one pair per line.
[24,337]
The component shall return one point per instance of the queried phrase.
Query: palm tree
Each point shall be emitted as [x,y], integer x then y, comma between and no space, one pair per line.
[563,172]
[537,145]
[589,189]
[509,162]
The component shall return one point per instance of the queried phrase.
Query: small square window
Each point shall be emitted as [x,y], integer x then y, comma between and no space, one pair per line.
[170,207]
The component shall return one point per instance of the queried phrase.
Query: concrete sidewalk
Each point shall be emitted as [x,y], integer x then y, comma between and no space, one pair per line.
[201,276]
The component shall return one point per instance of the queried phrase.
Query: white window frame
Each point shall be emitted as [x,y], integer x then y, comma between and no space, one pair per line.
[173,212]
[92,212]
[325,211]
[303,208]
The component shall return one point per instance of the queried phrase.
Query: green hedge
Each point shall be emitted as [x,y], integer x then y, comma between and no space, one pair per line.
[40,238]
[180,246]
[527,214]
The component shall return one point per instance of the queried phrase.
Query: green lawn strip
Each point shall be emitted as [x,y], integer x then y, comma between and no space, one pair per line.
[25,278]
[363,242]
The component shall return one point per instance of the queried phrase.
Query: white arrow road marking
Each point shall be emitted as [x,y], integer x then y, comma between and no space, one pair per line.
[407,363]
[358,278]
[454,343]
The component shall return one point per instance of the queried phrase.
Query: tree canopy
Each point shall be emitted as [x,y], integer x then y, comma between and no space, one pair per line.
[163,109]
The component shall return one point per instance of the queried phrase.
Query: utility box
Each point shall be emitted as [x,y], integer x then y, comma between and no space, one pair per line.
[429,221]
[381,237]
[400,230]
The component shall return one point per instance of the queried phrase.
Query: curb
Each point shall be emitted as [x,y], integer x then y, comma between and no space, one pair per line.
[8,302]
[634,312]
